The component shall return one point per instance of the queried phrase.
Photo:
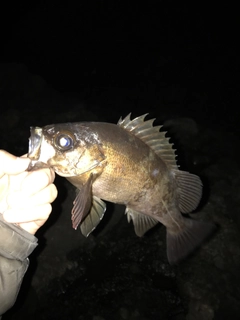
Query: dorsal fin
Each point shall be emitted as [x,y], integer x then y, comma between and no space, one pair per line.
[151,135]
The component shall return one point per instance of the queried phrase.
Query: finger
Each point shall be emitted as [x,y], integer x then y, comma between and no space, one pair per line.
[29,214]
[10,164]
[37,180]
[4,184]
[22,201]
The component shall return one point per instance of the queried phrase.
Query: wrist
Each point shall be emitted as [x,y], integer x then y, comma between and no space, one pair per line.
[15,243]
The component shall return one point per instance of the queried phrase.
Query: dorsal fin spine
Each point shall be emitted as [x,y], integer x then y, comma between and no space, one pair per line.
[156,140]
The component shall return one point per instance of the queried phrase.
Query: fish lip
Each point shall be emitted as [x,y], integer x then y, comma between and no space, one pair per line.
[35,165]
[35,141]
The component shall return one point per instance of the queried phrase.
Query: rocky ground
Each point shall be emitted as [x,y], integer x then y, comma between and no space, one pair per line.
[113,274]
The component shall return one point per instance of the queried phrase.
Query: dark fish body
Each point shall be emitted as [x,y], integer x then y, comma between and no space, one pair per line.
[130,172]
[131,163]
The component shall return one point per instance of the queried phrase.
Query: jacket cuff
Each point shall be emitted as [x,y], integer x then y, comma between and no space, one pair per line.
[15,243]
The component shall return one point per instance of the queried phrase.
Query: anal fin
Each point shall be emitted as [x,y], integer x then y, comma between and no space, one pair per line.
[142,223]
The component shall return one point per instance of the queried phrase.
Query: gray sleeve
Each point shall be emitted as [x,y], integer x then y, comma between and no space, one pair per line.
[15,247]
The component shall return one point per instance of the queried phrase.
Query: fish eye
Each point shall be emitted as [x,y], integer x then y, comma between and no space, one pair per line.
[64,141]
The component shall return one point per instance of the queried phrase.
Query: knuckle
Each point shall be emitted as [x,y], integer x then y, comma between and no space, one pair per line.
[48,210]
[51,174]
[46,177]
[54,192]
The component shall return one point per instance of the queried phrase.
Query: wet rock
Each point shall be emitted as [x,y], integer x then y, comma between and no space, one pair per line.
[199,311]
[124,313]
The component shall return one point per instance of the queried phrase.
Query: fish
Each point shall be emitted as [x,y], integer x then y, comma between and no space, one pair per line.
[130,163]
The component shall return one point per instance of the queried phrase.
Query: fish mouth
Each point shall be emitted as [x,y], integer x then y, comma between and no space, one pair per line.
[35,140]
[34,149]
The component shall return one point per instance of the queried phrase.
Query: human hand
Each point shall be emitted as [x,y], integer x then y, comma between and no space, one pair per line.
[25,197]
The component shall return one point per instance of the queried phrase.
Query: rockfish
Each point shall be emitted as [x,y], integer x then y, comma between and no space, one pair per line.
[131,163]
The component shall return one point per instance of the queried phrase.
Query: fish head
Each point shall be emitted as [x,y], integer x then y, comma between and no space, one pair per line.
[71,149]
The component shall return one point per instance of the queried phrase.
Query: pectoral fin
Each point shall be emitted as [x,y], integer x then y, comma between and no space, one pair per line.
[82,203]
[94,217]
[142,223]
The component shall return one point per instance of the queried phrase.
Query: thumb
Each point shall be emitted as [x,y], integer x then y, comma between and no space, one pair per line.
[10,164]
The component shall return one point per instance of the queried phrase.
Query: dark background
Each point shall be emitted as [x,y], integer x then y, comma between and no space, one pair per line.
[161,53]
[97,61]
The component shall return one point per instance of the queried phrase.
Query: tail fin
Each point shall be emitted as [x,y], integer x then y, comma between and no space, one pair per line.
[181,244]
